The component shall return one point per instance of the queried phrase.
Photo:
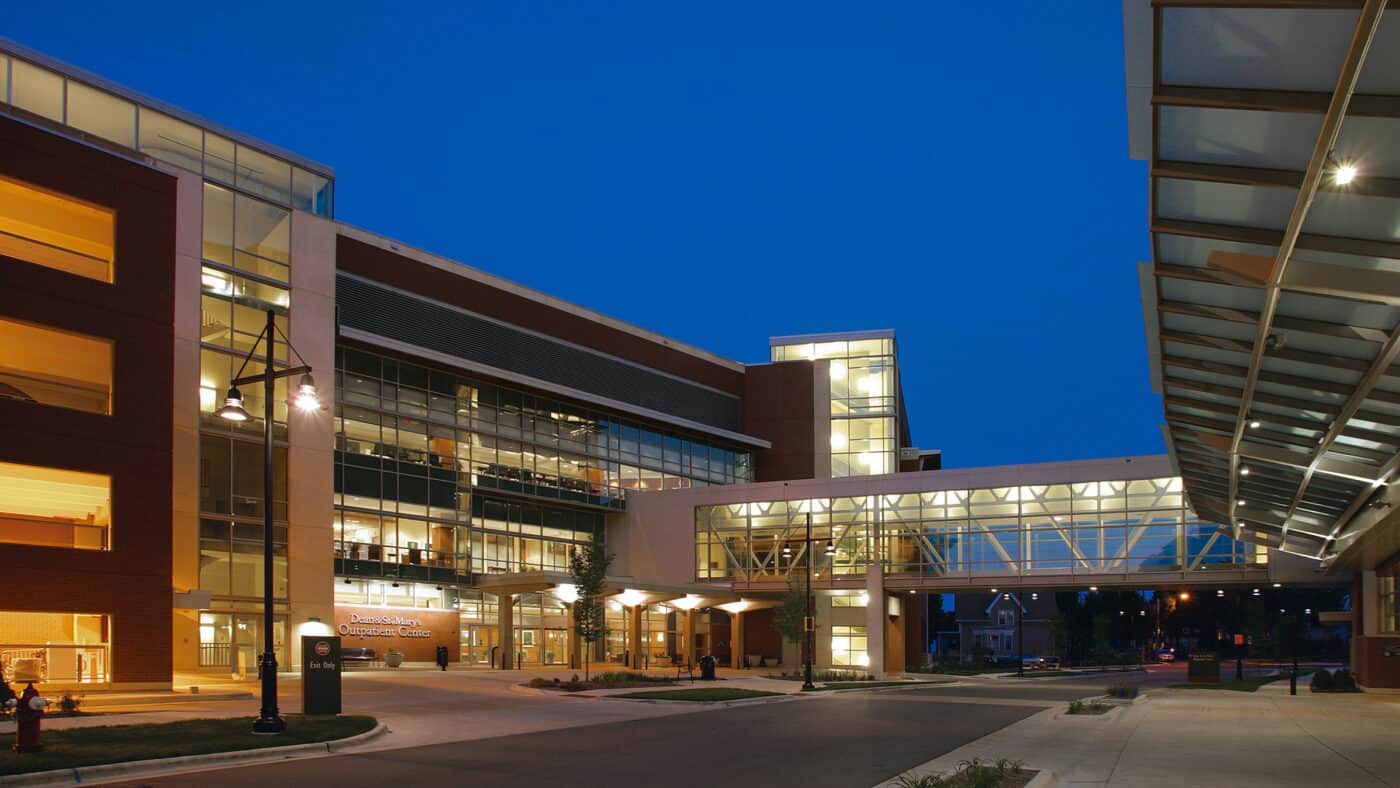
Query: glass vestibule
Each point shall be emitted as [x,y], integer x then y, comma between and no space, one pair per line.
[235,641]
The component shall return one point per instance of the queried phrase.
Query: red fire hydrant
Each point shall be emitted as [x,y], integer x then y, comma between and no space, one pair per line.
[29,709]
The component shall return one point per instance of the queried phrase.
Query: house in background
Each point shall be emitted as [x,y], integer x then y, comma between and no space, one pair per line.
[990,621]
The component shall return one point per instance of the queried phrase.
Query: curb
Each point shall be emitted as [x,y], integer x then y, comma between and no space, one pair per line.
[107,771]
[1045,779]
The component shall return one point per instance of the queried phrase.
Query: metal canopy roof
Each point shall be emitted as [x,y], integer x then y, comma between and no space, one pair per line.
[1273,297]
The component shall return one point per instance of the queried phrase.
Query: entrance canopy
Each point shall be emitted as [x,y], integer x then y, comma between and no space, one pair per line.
[1273,296]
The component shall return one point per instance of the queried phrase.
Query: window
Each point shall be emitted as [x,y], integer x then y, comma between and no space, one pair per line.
[848,647]
[1006,618]
[49,229]
[1389,606]
[52,507]
[53,367]
[101,114]
[854,600]
[68,648]
[38,90]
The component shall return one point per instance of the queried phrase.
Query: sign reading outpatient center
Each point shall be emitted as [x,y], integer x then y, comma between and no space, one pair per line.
[416,633]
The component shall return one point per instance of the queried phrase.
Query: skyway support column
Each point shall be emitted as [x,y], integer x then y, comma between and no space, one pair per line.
[875,618]
[505,622]
[689,654]
[635,644]
[736,640]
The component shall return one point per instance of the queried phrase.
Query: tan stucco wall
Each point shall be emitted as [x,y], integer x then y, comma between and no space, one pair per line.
[311,436]
[185,447]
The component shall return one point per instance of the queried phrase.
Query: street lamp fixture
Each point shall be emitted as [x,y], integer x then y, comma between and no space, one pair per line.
[269,720]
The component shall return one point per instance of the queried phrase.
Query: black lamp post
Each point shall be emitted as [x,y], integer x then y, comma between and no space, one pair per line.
[808,621]
[269,721]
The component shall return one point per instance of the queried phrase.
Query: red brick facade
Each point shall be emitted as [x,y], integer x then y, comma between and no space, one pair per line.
[132,582]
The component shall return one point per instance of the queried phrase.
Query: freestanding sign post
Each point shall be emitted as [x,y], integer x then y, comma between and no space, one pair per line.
[1203,668]
[320,674]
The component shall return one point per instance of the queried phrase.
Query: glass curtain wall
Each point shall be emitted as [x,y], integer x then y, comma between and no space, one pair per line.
[1109,527]
[864,399]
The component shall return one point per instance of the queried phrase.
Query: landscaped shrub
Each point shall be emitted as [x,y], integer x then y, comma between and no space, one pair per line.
[975,773]
[1322,681]
[1126,691]
[69,703]
[626,678]
[1094,707]
[1342,680]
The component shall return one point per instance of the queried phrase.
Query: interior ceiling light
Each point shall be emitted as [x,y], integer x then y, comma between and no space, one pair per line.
[1254,424]
[1241,502]
[1244,471]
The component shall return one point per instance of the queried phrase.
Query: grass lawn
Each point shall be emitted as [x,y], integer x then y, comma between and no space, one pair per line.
[706,695]
[1032,674]
[841,685]
[1239,685]
[73,747]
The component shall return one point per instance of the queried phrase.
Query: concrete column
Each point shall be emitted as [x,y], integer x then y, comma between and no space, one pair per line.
[689,654]
[736,639]
[635,644]
[311,436]
[505,624]
[575,645]
[875,618]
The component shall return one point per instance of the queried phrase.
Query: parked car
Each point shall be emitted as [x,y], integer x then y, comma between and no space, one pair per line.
[1033,663]
[1166,655]
[1050,662]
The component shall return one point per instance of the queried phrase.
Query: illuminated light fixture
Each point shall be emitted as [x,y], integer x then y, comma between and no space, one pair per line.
[1244,471]
[1256,592]
[994,590]
[1278,585]
[1343,172]
[1308,611]
[1255,424]
[306,398]
[1142,612]
[566,593]
[1093,588]
[233,407]
[838,441]
[1120,612]
[1241,502]
[1219,592]
[787,551]
[869,384]
[1006,596]
[864,598]
[688,602]
[1184,596]
[864,660]
[838,370]
[1034,596]
[911,590]
[631,597]
[830,548]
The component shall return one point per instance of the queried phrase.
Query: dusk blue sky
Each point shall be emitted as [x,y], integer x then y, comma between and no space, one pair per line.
[721,173]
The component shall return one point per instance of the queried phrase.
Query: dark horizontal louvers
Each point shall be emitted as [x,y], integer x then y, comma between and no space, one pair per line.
[394,315]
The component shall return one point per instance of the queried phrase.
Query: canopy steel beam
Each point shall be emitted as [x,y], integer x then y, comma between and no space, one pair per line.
[1367,24]
[1299,101]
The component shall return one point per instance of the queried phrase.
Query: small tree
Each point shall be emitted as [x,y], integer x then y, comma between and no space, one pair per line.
[589,567]
[789,617]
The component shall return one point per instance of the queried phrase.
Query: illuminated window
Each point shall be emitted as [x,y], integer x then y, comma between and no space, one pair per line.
[50,507]
[54,367]
[848,647]
[68,648]
[854,600]
[48,229]
[1389,606]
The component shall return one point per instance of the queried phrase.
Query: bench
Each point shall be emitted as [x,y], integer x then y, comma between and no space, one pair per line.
[362,655]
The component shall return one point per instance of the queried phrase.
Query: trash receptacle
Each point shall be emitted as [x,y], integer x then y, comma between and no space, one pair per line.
[707,668]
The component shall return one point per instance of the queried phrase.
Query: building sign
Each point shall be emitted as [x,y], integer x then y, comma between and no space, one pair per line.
[1203,668]
[415,632]
[386,625]
[320,674]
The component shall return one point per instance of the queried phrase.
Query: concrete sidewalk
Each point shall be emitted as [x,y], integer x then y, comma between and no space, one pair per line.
[1207,738]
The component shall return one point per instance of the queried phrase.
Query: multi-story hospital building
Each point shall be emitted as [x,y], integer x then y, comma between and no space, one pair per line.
[473,431]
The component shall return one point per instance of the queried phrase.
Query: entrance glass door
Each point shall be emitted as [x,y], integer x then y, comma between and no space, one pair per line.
[478,644]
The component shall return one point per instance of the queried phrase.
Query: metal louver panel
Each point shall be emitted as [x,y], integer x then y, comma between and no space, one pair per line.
[395,315]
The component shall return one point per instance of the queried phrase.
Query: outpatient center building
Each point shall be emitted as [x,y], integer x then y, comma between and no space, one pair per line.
[473,432]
